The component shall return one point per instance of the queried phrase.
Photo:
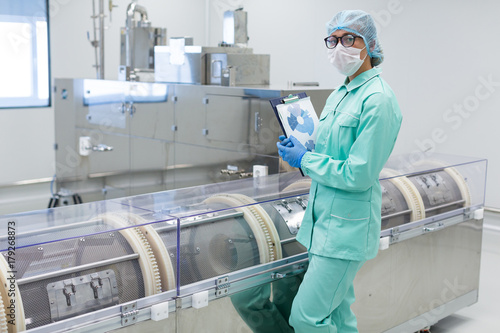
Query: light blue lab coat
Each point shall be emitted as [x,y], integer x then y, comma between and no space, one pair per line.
[357,132]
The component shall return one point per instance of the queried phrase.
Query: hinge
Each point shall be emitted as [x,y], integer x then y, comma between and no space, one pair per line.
[276,276]
[129,314]
[394,235]
[222,286]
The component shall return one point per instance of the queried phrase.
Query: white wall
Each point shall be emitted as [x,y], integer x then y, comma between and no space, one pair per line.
[72,54]
[26,144]
[438,54]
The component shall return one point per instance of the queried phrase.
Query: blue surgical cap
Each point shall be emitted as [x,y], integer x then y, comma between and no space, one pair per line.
[360,23]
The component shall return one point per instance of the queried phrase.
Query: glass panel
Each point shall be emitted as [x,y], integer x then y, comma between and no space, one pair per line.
[417,189]
[183,239]
[83,258]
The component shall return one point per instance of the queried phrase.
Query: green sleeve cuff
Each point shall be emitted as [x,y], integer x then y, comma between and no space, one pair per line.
[304,161]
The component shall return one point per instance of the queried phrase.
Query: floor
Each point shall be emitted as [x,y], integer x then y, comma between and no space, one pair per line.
[484,315]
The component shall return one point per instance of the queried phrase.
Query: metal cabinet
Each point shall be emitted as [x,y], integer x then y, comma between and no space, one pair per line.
[146,137]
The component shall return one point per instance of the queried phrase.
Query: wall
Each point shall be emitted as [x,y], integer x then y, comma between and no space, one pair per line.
[440,61]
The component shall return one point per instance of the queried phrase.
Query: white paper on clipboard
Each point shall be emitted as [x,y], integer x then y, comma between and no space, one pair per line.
[300,120]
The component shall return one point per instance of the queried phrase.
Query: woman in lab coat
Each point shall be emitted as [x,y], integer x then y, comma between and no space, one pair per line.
[357,132]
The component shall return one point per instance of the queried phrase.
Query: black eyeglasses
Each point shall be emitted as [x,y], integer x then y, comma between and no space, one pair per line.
[346,40]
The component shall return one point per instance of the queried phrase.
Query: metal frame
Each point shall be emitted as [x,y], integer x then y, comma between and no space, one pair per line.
[247,278]
[465,212]
[109,318]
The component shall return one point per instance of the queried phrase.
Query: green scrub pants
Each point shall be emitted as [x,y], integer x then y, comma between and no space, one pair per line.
[323,302]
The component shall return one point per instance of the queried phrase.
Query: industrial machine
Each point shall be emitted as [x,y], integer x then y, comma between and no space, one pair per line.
[146,57]
[119,138]
[191,259]
[232,63]
[138,40]
[194,115]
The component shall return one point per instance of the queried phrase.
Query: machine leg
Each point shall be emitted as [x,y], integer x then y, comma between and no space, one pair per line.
[54,201]
[77,199]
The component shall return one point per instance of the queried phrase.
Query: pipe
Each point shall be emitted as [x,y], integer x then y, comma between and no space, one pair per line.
[194,223]
[98,76]
[75,269]
[101,39]
[132,8]
[492,209]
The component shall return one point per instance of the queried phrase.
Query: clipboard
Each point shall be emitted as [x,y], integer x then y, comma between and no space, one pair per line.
[296,116]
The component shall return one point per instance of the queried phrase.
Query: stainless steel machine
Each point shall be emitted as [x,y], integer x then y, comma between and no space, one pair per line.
[146,57]
[138,40]
[232,63]
[135,135]
[223,65]
[118,138]
[212,257]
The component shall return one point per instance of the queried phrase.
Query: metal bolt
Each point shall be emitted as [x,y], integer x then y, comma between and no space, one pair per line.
[230,241]
[40,249]
[197,249]
[82,239]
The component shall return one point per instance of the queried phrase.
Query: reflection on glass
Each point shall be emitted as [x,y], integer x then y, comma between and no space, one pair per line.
[266,309]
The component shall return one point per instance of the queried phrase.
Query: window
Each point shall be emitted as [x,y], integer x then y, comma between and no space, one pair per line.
[24,55]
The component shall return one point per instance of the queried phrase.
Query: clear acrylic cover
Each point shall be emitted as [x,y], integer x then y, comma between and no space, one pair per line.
[177,240]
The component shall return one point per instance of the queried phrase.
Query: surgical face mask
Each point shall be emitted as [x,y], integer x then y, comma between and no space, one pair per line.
[346,59]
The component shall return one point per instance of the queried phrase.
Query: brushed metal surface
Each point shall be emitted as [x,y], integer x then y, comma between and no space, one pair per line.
[213,126]
[418,276]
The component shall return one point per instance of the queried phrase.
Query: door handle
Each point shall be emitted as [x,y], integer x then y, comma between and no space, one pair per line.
[101,147]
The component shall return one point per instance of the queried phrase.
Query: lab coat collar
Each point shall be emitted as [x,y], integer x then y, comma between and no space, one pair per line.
[361,78]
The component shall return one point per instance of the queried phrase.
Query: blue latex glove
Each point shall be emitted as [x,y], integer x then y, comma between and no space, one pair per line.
[284,141]
[291,150]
